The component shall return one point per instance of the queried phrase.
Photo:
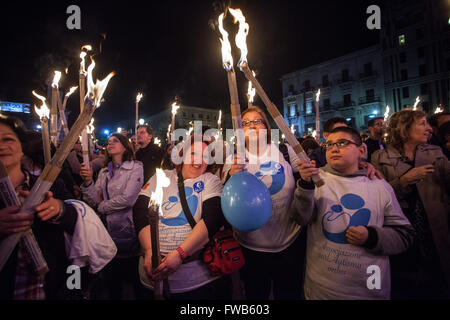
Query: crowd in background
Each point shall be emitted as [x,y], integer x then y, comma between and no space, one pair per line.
[385,202]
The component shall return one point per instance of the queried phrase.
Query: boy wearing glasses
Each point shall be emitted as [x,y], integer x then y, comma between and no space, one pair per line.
[355,224]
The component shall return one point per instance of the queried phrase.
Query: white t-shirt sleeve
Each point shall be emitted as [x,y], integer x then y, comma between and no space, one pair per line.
[149,187]
[213,186]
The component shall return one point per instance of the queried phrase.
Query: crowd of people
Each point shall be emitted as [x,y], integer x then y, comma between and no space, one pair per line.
[379,228]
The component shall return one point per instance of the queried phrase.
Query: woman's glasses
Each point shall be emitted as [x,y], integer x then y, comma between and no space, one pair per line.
[255,122]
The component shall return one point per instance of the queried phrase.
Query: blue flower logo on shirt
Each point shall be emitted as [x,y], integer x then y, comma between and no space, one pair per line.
[192,200]
[276,171]
[336,222]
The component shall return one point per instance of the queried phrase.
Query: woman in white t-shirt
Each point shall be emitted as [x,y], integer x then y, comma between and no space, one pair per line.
[274,254]
[188,276]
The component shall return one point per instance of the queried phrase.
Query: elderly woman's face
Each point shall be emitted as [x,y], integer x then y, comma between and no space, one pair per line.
[420,131]
[194,162]
[10,147]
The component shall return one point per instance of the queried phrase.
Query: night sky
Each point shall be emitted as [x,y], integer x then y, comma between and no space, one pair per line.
[170,48]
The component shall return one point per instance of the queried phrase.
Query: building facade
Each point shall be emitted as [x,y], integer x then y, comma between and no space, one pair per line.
[352,86]
[415,40]
[411,60]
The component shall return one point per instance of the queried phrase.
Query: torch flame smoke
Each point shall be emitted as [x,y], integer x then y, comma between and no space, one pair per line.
[72,90]
[241,36]
[56,79]
[161,182]
[43,111]
[227,58]
[95,92]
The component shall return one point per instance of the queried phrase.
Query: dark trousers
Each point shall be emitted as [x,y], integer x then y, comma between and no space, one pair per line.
[284,269]
[119,272]
[220,289]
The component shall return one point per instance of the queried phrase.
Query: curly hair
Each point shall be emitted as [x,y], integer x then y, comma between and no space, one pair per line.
[399,125]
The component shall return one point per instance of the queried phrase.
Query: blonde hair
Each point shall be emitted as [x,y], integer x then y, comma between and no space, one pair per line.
[399,125]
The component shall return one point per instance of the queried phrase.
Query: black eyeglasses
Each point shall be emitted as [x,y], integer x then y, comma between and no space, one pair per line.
[255,122]
[340,144]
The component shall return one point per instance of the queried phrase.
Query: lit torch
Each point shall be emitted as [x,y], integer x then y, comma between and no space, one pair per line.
[153,218]
[54,108]
[416,103]
[157,141]
[82,82]
[386,113]
[138,98]
[251,92]
[44,113]
[62,111]
[90,134]
[274,112]
[53,168]
[227,61]
[438,110]
[317,117]
[175,107]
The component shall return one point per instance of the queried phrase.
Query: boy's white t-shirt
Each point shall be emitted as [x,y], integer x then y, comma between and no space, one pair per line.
[280,230]
[174,228]
[336,269]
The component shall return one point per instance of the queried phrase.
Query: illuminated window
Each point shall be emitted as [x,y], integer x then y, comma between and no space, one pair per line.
[401,40]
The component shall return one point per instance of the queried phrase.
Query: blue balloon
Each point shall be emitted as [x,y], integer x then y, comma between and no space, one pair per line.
[246,202]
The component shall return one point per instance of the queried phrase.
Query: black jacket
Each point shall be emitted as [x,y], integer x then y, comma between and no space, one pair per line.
[151,157]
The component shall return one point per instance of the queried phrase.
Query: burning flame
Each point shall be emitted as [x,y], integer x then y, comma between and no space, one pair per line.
[386,113]
[227,58]
[43,111]
[191,128]
[314,133]
[157,141]
[219,121]
[318,95]
[168,132]
[292,129]
[417,102]
[56,79]
[139,97]
[72,90]
[161,182]
[438,110]
[95,92]
[251,91]
[175,107]
[82,55]
[66,70]
[241,36]
[90,127]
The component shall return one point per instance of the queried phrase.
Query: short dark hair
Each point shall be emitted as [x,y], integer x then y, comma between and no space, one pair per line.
[128,155]
[309,143]
[16,125]
[355,135]
[147,127]
[331,122]
[372,121]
